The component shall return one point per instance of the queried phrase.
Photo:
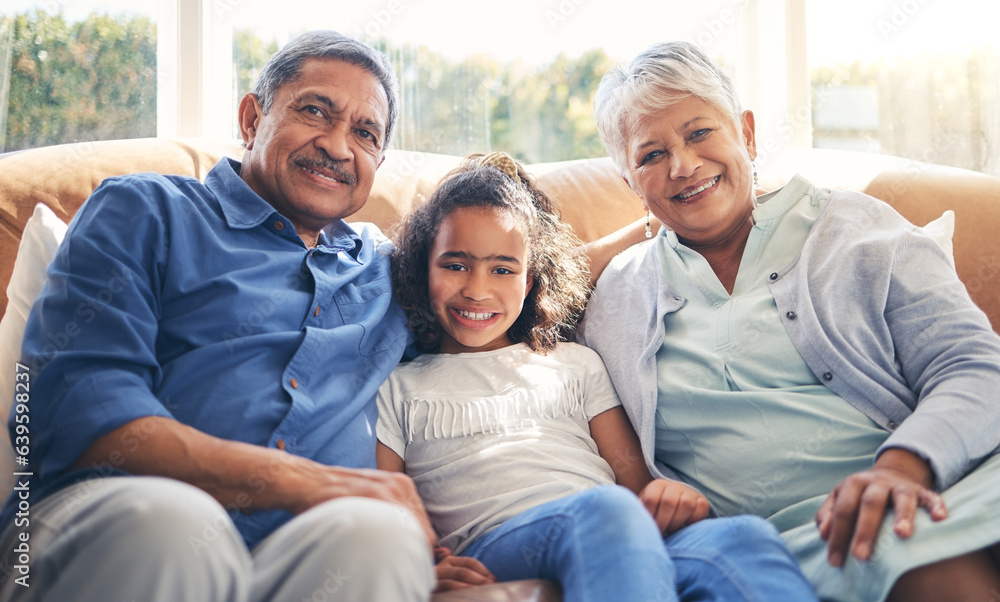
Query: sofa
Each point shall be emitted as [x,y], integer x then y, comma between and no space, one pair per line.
[592,197]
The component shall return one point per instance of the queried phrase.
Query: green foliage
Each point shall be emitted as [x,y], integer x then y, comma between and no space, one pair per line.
[250,54]
[559,102]
[96,79]
[478,105]
[73,82]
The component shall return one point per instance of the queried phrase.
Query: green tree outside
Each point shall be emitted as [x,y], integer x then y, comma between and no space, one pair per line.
[75,82]
[96,80]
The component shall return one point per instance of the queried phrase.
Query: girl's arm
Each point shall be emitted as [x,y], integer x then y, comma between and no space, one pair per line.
[386,459]
[619,446]
[453,572]
[672,504]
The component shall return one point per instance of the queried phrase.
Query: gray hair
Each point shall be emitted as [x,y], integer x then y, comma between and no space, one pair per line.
[286,64]
[656,79]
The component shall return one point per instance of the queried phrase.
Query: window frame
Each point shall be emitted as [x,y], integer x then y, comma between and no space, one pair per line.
[195,70]
[195,96]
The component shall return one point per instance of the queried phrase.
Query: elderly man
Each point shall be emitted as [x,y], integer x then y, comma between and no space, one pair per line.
[230,372]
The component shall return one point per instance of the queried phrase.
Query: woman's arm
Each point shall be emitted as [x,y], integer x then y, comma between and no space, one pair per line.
[601,251]
[946,355]
[672,504]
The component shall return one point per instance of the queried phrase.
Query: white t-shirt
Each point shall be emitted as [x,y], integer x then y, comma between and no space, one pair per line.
[488,435]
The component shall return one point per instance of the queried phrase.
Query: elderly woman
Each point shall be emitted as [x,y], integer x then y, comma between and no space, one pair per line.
[807,355]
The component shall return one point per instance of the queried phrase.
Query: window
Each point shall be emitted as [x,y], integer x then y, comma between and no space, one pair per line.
[478,76]
[75,76]
[474,77]
[914,78]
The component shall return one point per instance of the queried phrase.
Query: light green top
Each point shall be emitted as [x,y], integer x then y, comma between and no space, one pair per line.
[740,416]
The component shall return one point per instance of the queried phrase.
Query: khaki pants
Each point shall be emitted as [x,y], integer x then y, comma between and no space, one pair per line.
[143,539]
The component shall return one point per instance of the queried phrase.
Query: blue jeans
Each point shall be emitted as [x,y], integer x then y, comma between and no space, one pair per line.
[602,544]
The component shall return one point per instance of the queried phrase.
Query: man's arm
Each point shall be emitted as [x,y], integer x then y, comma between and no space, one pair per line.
[241,475]
[93,338]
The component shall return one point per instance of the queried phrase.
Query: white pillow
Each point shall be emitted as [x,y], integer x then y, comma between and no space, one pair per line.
[942,230]
[42,235]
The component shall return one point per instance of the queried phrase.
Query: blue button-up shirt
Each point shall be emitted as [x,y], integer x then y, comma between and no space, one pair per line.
[200,302]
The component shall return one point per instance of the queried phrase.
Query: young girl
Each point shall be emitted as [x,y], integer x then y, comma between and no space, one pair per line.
[516,440]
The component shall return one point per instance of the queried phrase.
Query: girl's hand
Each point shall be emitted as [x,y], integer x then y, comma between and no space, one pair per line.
[458,572]
[673,505]
[857,504]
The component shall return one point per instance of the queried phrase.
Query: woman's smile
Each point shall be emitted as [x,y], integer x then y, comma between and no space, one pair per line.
[693,194]
[692,169]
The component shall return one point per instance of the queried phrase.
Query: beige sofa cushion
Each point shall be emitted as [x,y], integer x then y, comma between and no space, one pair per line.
[592,196]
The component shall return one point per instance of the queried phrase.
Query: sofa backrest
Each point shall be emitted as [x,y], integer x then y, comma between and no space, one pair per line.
[63,176]
[592,196]
[921,196]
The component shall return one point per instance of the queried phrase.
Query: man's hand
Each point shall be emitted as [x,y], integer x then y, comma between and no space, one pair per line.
[673,505]
[304,484]
[458,572]
[244,476]
[850,517]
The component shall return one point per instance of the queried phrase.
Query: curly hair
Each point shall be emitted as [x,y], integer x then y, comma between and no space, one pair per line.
[561,274]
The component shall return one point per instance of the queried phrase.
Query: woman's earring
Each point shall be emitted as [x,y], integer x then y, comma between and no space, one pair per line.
[755,185]
[649,233]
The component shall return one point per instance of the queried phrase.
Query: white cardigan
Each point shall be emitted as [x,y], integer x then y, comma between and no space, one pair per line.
[873,306]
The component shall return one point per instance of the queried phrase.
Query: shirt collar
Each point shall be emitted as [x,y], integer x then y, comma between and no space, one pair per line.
[338,237]
[244,209]
[770,206]
[774,205]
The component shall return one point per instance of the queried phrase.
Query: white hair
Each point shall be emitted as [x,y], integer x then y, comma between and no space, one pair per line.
[656,79]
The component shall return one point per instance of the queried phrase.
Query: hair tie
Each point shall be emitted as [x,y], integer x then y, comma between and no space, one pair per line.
[502,161]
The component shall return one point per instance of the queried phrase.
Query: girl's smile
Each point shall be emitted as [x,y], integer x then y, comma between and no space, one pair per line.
[474,319]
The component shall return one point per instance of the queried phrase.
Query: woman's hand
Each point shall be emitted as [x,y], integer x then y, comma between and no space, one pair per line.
[857,505]
[458,572]
[673,505]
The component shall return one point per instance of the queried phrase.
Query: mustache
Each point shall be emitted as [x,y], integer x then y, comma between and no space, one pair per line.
[328,165]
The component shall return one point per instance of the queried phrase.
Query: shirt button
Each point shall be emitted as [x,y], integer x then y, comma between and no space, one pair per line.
[892,425]
[280,444]
[294,383]
[828,376]
[773,276]
[316,313]
[279,226]
[791,315]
